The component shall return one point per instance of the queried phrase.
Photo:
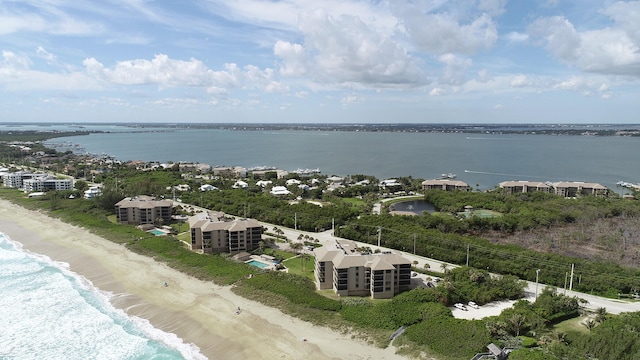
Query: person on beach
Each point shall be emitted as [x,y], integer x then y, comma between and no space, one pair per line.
[165,284]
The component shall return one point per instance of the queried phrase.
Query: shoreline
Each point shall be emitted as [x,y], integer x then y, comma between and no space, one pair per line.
[198,312]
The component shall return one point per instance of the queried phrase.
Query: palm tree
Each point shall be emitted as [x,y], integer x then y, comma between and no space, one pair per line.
[444,267]
[590,324]
[296,247]
[517,321]
[601,314]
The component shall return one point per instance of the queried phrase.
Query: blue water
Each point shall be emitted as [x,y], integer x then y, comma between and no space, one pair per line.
[49,312]
[480,160]
[257,264]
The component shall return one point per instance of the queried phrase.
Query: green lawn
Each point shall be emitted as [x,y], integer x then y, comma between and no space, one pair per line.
[300,266]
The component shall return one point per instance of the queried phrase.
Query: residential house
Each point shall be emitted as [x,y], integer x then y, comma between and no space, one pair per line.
[213,232]
[339,266]
[140,210]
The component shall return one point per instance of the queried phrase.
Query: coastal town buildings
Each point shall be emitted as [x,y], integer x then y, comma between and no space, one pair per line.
[446,185]
[341,267]
[514,187]
[140,210]
[213,232]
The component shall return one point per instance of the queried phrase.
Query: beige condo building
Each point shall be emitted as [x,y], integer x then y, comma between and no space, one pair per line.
[140,210]
[213,232]
[339,266]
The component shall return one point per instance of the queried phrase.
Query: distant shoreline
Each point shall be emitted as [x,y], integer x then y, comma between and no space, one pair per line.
[485,128]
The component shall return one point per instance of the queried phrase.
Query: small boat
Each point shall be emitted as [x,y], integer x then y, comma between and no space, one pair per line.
[448,176]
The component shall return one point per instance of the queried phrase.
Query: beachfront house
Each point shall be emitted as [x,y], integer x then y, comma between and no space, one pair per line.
[341,267]
[213,232]
[515,187]
[446,185]
[139,210]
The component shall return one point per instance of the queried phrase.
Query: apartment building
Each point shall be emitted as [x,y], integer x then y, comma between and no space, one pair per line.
[445,184]
[341,267]
[576,188]
[139,210]
[213,232]
[46,183]
[516,187]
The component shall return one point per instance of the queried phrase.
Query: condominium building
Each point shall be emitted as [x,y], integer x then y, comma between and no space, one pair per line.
[46,183]
[341,267]
[514,187]
[575,188]
[445,184]
[213,232]
[139,210]
[16,179]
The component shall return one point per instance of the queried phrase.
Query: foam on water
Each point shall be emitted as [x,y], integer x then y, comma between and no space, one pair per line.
[49,312]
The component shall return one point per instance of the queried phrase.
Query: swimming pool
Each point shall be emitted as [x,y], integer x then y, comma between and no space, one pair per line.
[259,264]
[157,232]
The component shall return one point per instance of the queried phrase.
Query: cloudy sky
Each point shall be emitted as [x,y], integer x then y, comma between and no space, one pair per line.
[328,61]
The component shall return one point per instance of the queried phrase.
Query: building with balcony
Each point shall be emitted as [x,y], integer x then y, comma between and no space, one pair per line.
[579,188]
[515,187]
[139,210]
[445,184]
[213,232]
[341,267]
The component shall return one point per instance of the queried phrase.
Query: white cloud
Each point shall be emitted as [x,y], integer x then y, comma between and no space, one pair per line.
[351,99]
[455,69]
[448,31]
[345,51]
[516,37]
[437,92]
[293,56]
[613,49]
[44,54]
[519,81]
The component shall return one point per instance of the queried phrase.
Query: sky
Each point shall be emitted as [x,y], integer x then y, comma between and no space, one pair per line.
[320,61]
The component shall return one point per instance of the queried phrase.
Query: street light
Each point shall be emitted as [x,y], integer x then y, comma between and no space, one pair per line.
[537,273]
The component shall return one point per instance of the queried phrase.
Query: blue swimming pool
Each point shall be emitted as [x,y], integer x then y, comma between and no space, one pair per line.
[157,232]
[259,264]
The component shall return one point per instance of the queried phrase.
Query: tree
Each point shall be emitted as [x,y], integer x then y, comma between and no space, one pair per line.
[601,314]
[296,247]
[590,324]
[517,321]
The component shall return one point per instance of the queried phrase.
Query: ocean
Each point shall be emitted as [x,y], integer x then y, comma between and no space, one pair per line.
[49,312]
[480,160]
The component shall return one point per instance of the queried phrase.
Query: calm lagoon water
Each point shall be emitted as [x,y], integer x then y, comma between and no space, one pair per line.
[482,161]
[414,206]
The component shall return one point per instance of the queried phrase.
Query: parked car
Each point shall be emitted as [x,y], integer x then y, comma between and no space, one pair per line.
[430,284]
[473,305]
[460,306]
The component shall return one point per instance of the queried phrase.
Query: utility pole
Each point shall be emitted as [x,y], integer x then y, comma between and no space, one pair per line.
[414,244]
[467,255]
[379,234]
[295,221]
[537,273]
[571,279]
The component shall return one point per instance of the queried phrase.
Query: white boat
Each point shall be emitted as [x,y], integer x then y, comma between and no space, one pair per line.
[448,176]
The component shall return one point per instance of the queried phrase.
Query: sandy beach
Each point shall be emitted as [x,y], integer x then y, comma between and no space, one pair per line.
[198,312]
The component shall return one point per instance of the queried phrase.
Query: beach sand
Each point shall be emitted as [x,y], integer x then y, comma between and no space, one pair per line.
[198,312]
